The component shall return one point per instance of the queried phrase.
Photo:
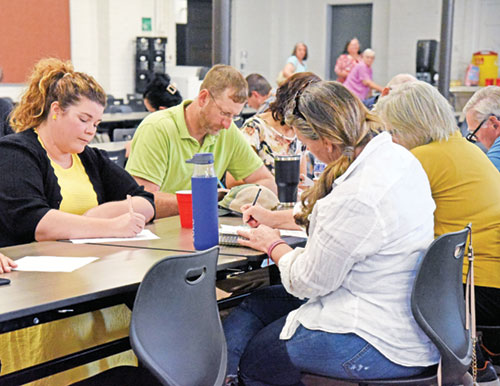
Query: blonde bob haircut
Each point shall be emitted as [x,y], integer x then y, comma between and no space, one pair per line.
[221,77]
[416,114]
[328,110]
[53,80]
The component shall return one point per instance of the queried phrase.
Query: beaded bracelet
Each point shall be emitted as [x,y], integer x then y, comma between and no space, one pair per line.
[274,245]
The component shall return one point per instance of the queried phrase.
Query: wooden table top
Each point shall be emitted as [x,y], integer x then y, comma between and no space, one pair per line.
[175,238]
[117,270]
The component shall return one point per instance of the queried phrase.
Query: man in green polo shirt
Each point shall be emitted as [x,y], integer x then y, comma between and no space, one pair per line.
[167,138]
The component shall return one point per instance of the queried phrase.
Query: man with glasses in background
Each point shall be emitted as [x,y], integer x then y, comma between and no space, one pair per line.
[167,138]
[482,113]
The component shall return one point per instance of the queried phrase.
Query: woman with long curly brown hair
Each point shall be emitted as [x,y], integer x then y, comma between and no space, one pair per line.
[53,185]
[343,308]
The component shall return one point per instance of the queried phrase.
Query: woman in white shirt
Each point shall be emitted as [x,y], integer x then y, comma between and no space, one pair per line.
[344,305]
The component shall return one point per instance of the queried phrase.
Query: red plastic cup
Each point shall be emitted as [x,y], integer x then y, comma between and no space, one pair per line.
[185,204]
[489,81]
[497,81]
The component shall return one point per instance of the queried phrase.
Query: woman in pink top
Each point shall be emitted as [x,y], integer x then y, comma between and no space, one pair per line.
[346,62]
[360,79]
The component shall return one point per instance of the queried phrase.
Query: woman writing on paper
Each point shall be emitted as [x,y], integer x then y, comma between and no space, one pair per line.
[369,219]
[53,185]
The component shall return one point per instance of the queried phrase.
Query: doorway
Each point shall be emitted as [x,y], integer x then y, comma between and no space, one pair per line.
[344,23]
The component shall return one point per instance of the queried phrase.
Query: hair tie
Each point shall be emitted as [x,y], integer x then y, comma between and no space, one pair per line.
[171,89]
[348,151]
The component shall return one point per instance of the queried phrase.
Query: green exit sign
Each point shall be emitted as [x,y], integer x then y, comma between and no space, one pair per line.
[146,24]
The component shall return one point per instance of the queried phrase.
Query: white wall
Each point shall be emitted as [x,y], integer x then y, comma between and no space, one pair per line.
[267,31]
[103,36]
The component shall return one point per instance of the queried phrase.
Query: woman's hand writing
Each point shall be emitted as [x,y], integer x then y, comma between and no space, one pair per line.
[254,215]
[128,224]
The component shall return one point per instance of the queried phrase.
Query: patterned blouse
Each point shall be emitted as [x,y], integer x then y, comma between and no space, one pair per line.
[267,141]
[345,62]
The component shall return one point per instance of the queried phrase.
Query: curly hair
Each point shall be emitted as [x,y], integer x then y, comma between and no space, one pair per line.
[287,91]
[53,80]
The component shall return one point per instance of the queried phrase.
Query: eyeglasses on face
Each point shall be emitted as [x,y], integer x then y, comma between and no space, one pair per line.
[221,111]
[471,137]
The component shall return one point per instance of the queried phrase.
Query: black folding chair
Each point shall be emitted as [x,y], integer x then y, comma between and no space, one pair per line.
[117,156]
[176,331]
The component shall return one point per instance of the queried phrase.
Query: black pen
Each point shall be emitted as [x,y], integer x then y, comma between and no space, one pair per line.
[254,202]
[256,197]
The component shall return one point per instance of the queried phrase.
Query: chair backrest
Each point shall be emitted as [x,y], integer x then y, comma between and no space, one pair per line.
[176,330]
[117,156]
[123,134]
[438,303]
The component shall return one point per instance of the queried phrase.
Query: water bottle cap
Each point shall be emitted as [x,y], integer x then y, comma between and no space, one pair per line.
[201,159]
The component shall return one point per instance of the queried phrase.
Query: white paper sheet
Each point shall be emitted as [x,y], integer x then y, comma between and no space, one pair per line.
[233,230]
[144,235]
[52,263]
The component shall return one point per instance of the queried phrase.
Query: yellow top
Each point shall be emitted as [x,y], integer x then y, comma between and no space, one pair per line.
[466,188]
[77,192]
[30,346]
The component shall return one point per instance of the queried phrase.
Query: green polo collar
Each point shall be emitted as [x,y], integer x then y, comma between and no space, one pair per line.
[182,127]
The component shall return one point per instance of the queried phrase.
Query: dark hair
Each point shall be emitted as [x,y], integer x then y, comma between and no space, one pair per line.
[287,91]
[349,42]
[295,49]
[257,82]
[161,93]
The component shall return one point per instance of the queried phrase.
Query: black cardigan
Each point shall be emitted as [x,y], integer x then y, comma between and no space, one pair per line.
[29,187]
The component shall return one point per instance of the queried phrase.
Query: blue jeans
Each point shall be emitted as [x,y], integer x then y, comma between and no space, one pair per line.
[252,333]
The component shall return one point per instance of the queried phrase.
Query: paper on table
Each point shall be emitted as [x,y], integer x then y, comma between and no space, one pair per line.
[232,230]
[144,235]
[52,263]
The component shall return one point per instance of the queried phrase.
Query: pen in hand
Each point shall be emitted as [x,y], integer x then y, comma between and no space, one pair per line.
[254,202]
[130,207]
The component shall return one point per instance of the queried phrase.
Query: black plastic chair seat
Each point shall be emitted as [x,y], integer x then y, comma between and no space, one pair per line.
[175,331]
[425,378]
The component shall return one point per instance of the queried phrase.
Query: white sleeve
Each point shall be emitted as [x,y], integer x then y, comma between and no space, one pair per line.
[343,234]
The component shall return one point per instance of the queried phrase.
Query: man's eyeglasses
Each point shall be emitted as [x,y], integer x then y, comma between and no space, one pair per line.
[471,137]
[222,112]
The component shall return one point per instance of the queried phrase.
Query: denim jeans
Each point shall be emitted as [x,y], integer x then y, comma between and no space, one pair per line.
[252,333]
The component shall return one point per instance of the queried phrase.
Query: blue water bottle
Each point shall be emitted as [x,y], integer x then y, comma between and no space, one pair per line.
[205,213]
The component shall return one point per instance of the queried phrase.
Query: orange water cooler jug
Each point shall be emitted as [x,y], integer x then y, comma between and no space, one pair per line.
[487,61]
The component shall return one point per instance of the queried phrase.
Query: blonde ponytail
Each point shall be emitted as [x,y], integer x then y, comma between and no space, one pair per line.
[327,110]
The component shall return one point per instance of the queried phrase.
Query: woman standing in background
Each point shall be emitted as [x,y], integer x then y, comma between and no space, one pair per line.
[349,58]
[295,63]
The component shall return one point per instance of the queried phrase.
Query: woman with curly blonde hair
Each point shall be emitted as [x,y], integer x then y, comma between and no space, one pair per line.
[343,308]
[55,187]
